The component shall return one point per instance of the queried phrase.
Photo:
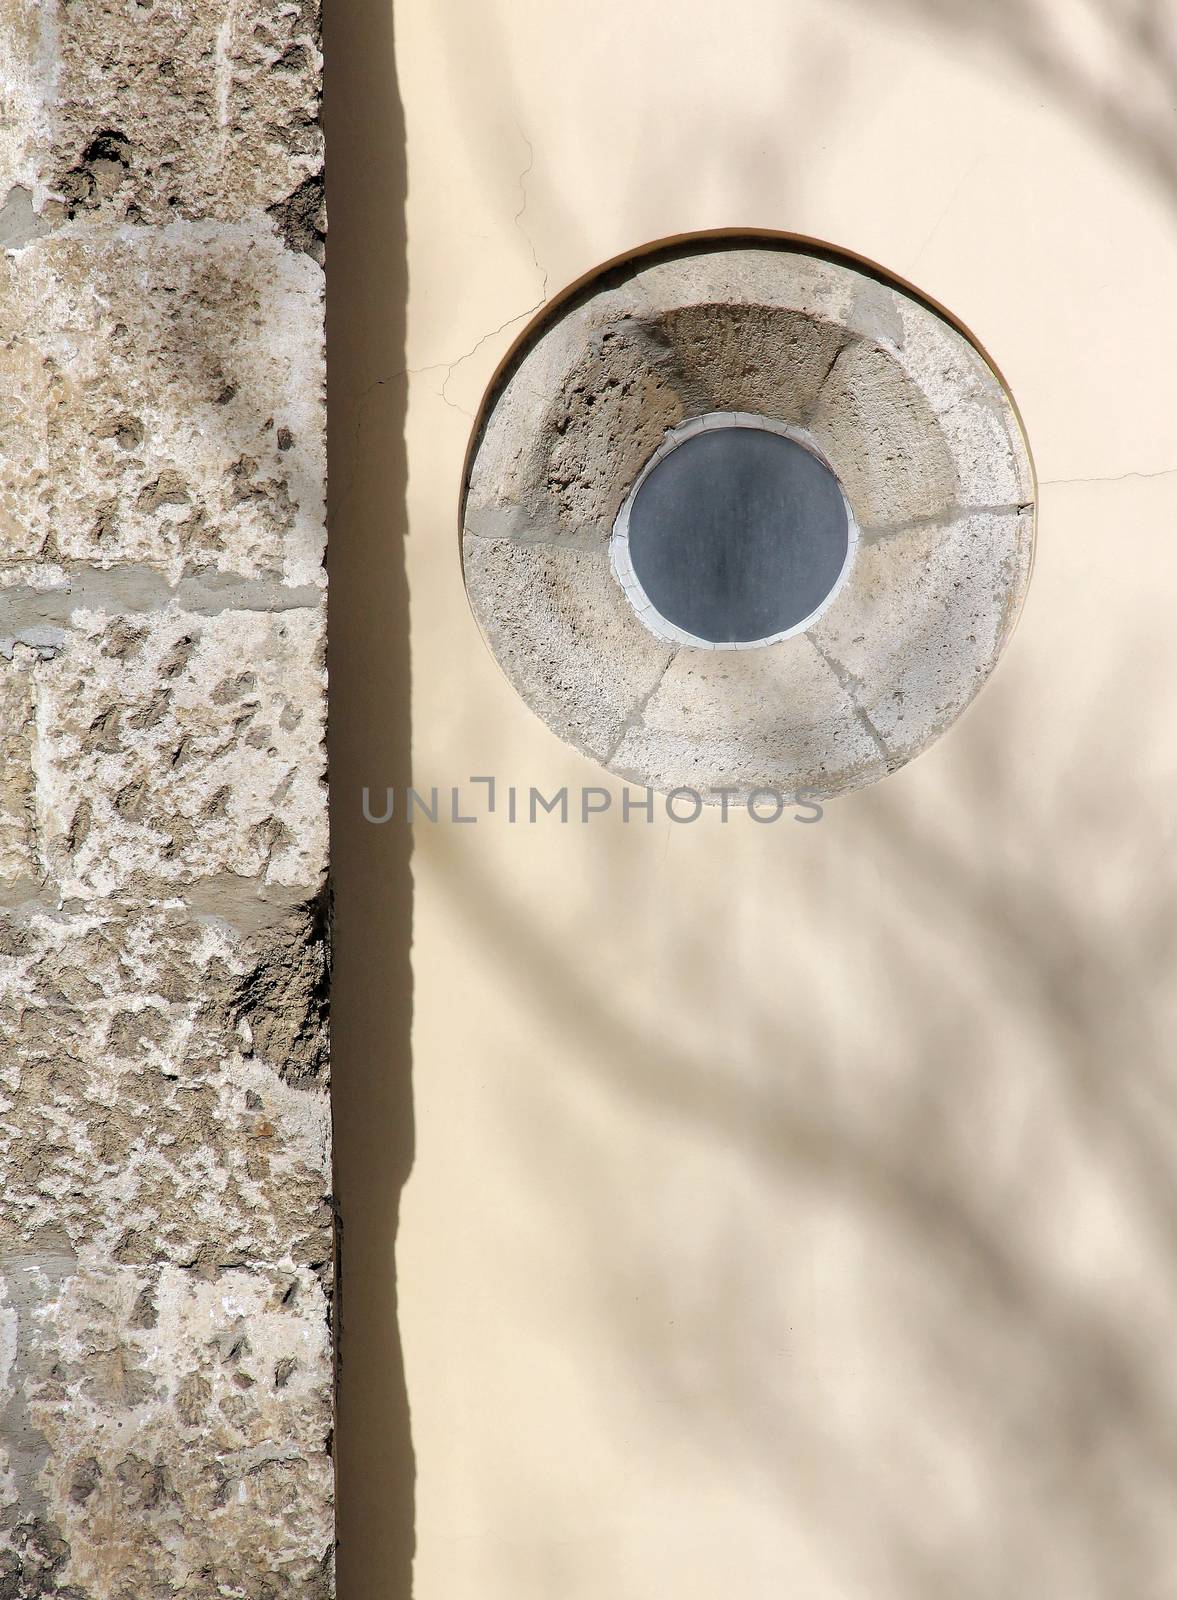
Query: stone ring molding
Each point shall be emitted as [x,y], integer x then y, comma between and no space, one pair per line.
[860,381]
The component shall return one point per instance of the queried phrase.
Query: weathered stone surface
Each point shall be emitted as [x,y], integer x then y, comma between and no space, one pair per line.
[172,747]
[166,1220]
[548,477]
[905,410]
[160,403]
[143,113]
[165,1250]
[766,359]
[972,411]
[172,1429]
[935,606]
[780,720]
[880,436]
[607,417]
[556,463]
[16,765]
[567,638]
[171,1063]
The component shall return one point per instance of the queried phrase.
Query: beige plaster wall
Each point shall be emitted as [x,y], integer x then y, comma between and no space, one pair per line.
[791,1207]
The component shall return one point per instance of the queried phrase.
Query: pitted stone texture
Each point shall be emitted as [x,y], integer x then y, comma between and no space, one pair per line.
[608,418]
[598,354]
[908,413]
[29,71]
[17,709]
[165,1250]
[592,400]
[165,1216]
[163,1087]
[640,377]
[143,113]
[567,638]
[972,410]
[161,396]
[879,434]
[763,359]
[173,747]
[174,1431]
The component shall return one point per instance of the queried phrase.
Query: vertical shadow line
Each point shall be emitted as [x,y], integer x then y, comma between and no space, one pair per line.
[369,745]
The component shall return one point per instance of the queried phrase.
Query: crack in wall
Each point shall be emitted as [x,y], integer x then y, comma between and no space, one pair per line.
[849,337]
[362,400]
[1119,477]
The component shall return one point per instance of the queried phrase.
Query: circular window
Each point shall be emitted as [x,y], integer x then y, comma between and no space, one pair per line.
[747,513]
[736,534]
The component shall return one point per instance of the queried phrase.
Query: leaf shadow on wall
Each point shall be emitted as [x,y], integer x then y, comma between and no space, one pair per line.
[1002,1169]
[1045,1390]
[964,1146]
[1112,64]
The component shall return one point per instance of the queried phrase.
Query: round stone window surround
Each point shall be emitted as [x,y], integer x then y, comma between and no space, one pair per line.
[914,422]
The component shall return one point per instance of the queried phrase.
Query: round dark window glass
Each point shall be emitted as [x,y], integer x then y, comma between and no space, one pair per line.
[736,535]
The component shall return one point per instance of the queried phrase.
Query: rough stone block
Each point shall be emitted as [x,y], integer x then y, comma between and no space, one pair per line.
[165,1216]
[160,404]
[756,719]
[765,359]
[879,434]
[974,413]
[16,765]
[552,608]
[142,113]
[174,747]
[165,1250]
[166,1435]
[932,609]
[162,1087]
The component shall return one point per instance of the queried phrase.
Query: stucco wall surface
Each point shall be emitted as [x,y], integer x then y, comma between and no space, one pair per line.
[165,1211]
[791,1206]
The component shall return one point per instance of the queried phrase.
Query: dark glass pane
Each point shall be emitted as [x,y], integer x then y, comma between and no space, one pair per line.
[738,534]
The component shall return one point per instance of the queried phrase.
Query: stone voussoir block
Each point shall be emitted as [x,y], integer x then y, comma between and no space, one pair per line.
[560,673]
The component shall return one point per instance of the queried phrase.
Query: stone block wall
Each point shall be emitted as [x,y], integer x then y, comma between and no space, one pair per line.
[165,1211]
